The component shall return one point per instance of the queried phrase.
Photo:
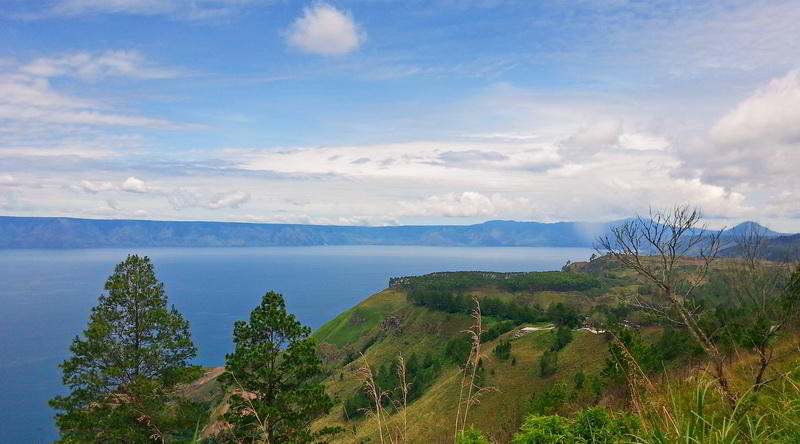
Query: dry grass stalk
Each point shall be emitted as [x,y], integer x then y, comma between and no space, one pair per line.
[470,373]
[398,435]
[402,434]
[374,393]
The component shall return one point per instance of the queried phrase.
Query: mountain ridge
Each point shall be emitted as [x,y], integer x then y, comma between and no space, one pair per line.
[67,232]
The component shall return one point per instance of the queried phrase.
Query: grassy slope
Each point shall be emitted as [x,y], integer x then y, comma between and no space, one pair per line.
[417,329]
[431,418]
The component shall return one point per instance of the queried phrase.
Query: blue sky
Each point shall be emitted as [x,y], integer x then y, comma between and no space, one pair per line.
[385,112]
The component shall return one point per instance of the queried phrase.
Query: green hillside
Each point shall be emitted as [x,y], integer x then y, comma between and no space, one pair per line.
[389,324]
[539,356]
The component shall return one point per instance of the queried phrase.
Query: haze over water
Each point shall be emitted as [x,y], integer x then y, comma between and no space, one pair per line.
[46,297]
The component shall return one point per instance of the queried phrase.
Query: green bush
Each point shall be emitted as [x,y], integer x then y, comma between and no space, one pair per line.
[497,329]
[548,363]
[594,425]
[561,337]
[503,350]
[580,378]
[549,402]
[597,426]
[472,436]
[543,430]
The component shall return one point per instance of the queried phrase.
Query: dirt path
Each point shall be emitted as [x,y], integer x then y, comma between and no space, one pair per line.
[208,377]
[527,330]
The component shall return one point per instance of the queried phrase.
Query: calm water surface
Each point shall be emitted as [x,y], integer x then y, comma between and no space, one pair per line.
[46,295]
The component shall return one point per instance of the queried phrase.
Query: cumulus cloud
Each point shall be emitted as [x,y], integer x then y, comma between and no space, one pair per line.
[6,179]
[771,114]
[468,203]
[186,198]
[134,185]
[325,30]
[95,187]
[754,146]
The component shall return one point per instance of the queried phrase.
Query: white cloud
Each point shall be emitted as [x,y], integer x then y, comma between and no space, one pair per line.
[180,9]
[771,114]
[325,30]
[600,134]
[307,219]
[188,198]
[94,187]
[134,185]
[468,203]
[754,147]
[229,200]
[642,142]
[6,179]
[95,66]
[27,95]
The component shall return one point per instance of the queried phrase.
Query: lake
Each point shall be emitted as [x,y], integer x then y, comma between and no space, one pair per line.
[46,296]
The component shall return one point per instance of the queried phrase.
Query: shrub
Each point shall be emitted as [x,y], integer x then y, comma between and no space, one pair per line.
[458,349]
[496,330]
[597,426]
[503,350]
[550,401]
[543,430]
[548,363]
[564,315]
[561,337]
[579,380]
[472,436]
[594,425]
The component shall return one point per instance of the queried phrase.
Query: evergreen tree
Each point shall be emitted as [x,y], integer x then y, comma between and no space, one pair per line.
[272,376]
[123,372]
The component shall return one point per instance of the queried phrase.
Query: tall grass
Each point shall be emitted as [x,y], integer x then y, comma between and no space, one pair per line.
[399,433]
[470,392]
[693,413]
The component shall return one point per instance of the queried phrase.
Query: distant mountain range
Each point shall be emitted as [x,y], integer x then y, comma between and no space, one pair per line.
[62,232]
[784,248]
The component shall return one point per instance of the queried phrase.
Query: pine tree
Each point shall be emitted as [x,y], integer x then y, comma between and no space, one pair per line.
[272,376]
[123,372]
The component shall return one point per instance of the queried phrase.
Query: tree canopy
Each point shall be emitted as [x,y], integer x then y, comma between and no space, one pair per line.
[273,376]
[123,370]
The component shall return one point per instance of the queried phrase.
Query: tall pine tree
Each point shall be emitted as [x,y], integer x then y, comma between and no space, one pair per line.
[273,376]
[123,372]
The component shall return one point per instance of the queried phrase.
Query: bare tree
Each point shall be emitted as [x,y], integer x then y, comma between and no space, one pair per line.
[765,294]
[658,247]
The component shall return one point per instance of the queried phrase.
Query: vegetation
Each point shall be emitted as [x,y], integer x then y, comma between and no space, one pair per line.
[419,375]
[548,363]
[271,378]
[476,373]
[124,371]
[459,303]
[529,282]
[502,351]
[766,293]
[561,337]
[594,425]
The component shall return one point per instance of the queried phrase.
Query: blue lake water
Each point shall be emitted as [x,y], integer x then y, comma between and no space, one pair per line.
[46,296]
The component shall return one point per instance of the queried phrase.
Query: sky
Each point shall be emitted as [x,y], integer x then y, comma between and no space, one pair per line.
[379,112]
